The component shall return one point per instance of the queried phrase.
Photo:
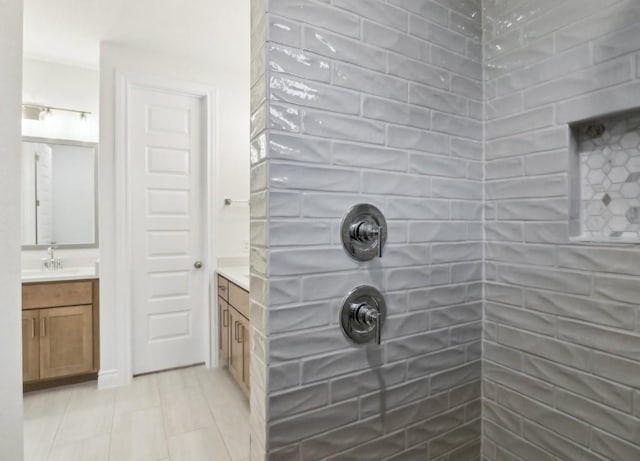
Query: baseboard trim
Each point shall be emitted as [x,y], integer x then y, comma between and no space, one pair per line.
[109,379]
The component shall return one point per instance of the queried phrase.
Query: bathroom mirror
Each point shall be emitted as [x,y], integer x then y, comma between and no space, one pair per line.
[59,193]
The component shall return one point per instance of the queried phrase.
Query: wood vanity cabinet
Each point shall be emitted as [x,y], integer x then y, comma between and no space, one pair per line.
[236,354]
[223,331]
[233,330]
[59,332]
[30,346]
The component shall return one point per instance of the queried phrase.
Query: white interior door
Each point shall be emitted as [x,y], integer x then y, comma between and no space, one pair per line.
[166,185]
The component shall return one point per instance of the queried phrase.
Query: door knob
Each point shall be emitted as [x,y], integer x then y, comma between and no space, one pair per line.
[197,264]
[362,315]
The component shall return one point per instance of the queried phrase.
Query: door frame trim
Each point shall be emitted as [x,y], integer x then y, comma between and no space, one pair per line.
[123,218]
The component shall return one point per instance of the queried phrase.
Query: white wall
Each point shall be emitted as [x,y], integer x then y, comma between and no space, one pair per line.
[231,140]
[10,329]
[69,87]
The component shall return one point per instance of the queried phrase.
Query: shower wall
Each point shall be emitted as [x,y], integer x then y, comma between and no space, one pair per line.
[561,361]
[378,102]
[258,246]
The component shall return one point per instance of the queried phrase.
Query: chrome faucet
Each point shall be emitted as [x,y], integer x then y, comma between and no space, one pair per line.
[50,262]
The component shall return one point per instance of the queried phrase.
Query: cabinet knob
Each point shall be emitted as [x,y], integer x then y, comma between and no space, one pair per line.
[197,264]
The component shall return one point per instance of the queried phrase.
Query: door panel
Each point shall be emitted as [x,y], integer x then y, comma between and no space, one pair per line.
[169,326]
[30,346]
[168,161]
[66,341]
[168,243]
[167,177]
[167,203]
[169,284]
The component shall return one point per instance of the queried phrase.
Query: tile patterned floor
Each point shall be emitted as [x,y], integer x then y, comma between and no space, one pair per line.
[189,414]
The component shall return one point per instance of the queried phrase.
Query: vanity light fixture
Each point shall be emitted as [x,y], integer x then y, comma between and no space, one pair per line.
[43,113]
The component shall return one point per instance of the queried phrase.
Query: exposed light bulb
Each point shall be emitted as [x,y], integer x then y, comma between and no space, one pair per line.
[45,114]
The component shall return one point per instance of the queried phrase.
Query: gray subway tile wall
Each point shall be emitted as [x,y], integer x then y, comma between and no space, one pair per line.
[452,117]
[262,288]
[378,102]
[561,332]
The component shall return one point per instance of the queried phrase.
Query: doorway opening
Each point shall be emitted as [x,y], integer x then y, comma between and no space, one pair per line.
[163,99]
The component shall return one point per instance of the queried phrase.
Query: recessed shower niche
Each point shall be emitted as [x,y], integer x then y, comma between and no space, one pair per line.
[605,173]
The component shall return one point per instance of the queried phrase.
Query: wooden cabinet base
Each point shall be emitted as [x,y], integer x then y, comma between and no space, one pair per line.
[60,339]
[68,380]
[233,331]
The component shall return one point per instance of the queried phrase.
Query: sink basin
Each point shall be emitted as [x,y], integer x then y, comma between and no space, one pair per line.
[72,270]
[58,274]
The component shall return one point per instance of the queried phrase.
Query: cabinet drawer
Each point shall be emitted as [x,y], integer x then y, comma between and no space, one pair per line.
[223,288]
[38,295]
[239,299]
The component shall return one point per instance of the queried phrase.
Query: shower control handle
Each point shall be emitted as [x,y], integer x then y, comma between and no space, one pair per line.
[366,232]
[362,315]
[367,316]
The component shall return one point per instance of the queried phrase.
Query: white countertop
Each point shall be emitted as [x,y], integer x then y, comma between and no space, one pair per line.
[237,274]
[71,273]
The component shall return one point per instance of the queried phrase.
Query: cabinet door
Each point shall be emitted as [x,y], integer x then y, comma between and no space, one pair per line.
[66,341]
[246,352]
[235,346]
[223,331]
[30,346]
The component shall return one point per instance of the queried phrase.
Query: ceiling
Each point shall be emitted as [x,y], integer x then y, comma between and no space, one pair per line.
[70,31]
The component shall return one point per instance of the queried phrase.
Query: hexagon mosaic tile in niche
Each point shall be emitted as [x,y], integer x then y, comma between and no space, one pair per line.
[610,176]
